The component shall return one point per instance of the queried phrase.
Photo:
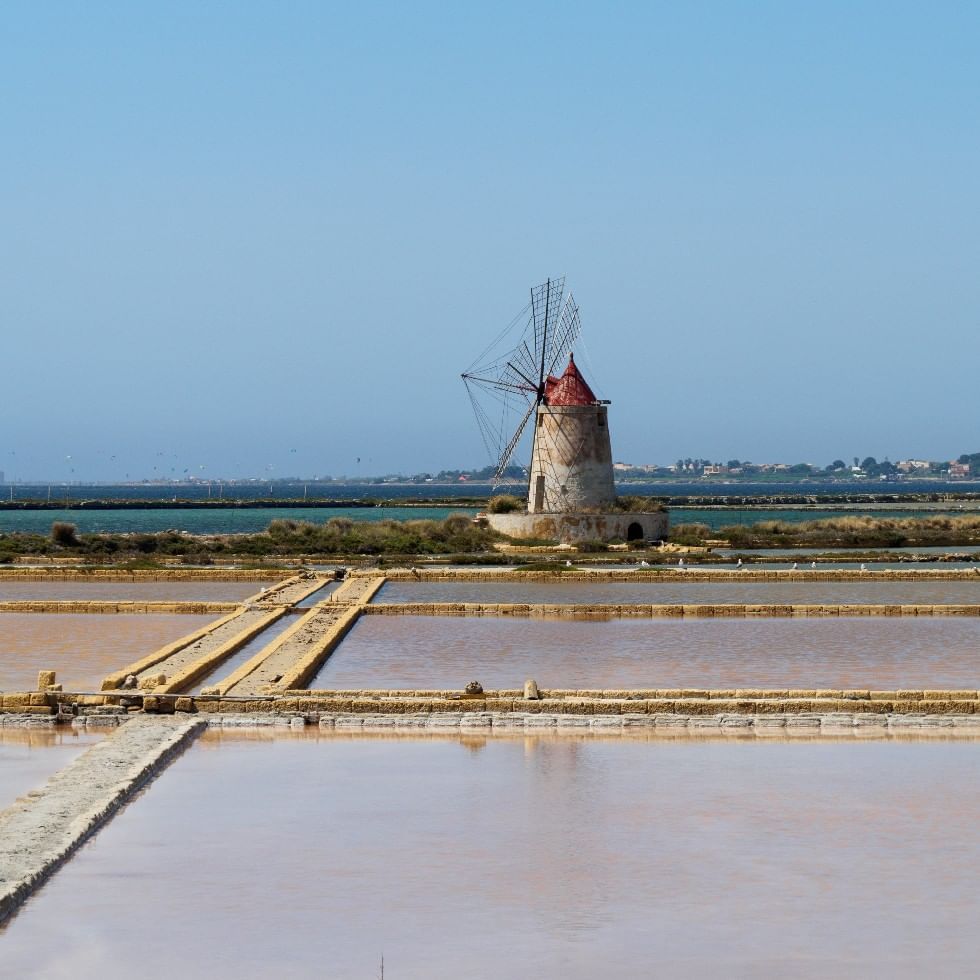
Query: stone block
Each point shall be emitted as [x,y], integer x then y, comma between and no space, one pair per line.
[45,678]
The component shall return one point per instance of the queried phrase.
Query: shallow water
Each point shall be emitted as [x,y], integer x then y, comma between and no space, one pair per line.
[418,652]
[114,591]
[526,857]
[81,647]
[28,756]
[812,593]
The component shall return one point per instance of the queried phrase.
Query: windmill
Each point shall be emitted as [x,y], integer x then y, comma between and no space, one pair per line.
[508,382]
[571,495]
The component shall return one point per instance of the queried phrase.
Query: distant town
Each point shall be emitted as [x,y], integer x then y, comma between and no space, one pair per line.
[964,467]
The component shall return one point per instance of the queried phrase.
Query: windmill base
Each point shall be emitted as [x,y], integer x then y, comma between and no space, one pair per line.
[571,528]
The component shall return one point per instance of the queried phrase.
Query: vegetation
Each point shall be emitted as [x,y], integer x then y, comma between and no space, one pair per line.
[855,532]
[591,547]
[638,505]
[456,534]
[64,534]
[505,503]
[460,540]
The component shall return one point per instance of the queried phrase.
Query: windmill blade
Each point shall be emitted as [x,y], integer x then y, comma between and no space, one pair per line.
[506,382]
[565,336]
[545,309]
[515,439]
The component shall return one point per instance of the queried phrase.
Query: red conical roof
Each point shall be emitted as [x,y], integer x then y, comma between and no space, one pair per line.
[569,389]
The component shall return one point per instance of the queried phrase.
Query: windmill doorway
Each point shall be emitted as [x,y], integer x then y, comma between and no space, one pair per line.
[634,532]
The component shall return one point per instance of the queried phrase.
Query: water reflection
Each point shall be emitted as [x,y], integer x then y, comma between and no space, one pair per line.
[557,857]
[29,756]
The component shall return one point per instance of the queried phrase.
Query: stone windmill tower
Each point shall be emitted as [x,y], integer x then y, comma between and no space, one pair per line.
[571,494]
[571,458]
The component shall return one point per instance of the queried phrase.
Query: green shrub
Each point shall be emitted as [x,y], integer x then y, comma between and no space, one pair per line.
[639,505]
[65,534]
[505,503]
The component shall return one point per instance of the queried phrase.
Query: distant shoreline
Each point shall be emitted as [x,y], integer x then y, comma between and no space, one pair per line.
[839,501]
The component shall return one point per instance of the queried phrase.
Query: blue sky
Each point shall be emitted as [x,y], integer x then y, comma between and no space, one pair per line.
[264,238]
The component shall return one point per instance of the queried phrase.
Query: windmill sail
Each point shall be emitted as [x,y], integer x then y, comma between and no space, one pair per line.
[508,381]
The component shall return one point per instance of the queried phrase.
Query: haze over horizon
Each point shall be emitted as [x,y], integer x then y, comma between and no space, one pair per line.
[263,240]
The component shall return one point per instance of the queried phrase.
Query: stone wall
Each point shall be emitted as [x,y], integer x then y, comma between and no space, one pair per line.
[573,527]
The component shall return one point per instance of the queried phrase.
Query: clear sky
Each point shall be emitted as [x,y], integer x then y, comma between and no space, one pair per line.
[265,238]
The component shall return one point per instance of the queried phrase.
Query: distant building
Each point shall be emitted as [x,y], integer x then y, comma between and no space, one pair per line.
[959,470]
[911,465]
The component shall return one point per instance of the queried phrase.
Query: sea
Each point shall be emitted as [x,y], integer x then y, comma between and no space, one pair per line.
[391,501]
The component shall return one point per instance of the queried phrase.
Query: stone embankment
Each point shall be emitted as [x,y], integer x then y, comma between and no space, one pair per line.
[313,704]
[179,664]
[291,591]
[293,658]
[42,829]
[646,611]
[358,589]
[123,606]
[840,724]
[141,575]
[295,655]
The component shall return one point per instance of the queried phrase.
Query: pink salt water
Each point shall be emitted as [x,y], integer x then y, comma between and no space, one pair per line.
[526,857]
[414,652]
[82,648]
[813,593]
[28,756]
[147,591]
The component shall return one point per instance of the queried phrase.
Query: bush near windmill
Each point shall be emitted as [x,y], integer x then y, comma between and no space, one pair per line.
[571,494]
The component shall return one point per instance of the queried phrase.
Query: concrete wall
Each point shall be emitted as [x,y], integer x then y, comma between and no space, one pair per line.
[569,528]
[573,457]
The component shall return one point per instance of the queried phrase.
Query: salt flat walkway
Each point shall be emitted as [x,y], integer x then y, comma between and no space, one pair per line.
[43,828]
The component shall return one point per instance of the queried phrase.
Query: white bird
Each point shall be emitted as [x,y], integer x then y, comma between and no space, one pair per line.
[796,565]
[644,563]
[739,565]
[864,567]
[568,564]
[813,564]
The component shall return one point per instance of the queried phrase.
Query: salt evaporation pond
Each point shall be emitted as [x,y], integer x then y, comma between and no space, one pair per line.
[81,647]
[806,593]
[95,591]
[530,857]
[422,652]
[28,756]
